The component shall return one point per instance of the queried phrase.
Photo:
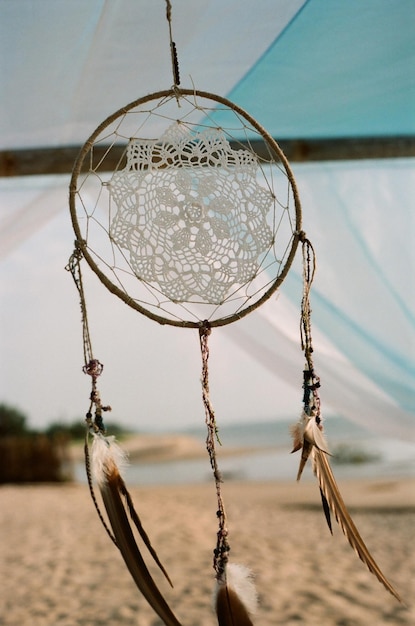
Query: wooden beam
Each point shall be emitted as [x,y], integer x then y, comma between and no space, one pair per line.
[60,160]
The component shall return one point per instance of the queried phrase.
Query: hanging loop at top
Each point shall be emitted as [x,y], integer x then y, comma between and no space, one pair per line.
[173,49]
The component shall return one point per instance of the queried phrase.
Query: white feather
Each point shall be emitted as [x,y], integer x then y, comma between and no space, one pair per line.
[240,579]
[106,455]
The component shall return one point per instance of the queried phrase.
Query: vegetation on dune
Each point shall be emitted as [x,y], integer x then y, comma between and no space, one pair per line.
[30,455]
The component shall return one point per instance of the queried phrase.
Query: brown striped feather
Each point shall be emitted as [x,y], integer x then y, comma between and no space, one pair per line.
[134,516]
[336,503]
[111,495]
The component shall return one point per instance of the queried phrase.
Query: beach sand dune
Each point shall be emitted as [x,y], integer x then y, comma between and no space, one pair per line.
[59,568]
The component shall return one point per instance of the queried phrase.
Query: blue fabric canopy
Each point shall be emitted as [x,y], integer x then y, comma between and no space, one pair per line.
[338,69]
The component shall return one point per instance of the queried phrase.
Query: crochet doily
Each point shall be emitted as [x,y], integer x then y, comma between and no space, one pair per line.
[190,214]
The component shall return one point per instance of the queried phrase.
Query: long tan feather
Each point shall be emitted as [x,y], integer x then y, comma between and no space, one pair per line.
[330,490]
[134,516]
[128,547]
[107,457]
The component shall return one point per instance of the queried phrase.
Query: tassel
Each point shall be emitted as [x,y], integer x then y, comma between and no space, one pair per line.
[105,458]
[235,597]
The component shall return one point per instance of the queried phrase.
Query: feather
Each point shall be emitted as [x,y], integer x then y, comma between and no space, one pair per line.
[235,597]
[331,494]
[306,450]
[297,433]
[314,434]
[306,434]
[105,454]
[326,510]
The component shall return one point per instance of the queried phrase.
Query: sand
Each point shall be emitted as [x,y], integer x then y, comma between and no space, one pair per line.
[58,567]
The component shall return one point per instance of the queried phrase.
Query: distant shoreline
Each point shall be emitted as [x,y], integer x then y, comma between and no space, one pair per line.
[155,448]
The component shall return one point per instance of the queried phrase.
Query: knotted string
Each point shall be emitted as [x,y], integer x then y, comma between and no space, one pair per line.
[92,366]
[173,50]
[221,552]
[74,267]
[311,382]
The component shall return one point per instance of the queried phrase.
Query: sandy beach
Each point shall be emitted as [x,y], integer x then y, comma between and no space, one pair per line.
[58,566]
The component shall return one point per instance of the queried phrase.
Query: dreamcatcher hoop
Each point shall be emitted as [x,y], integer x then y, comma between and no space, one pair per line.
[92,161]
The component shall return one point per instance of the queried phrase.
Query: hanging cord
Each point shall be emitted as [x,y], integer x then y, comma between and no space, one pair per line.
[92,367]
[221,552]
[173,50]
[311,382]
[74,267]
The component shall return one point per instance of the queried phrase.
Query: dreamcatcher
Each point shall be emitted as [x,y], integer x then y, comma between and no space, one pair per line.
[193,223]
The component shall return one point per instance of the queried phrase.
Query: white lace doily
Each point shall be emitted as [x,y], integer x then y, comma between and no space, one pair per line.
[190,214]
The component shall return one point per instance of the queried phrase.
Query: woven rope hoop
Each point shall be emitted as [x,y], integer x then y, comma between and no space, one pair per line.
[98,180]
